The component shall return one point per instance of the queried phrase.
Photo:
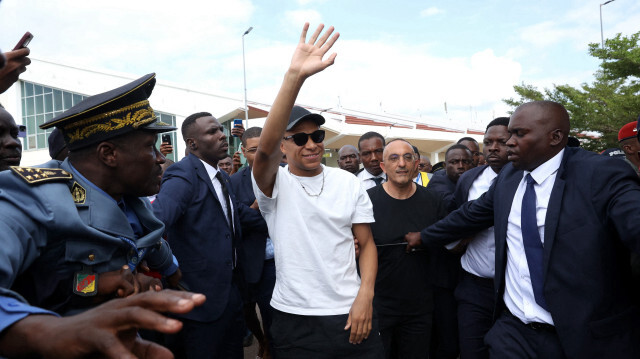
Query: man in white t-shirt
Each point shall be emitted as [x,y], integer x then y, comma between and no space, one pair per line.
[320,304]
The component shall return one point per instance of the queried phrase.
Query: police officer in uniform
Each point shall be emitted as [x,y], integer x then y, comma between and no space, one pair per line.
[74,232]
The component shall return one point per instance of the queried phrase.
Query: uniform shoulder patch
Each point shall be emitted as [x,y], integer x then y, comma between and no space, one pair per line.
[36,175]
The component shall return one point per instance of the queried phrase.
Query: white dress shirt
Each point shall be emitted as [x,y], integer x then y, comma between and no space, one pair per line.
[212,171]
[367,181]
[518,295]
[480,257]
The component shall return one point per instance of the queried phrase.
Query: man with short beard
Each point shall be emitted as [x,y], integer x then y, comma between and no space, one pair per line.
[404,296]
[203,223]
[474,293]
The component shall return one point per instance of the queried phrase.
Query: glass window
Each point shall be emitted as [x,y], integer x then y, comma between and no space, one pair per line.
[40,104]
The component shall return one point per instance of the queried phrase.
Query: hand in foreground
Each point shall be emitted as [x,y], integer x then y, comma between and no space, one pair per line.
[359,319]
[118,283]
[17,62]
[237,163]
[109,330]
[357,247]
[307,59]
[413,240]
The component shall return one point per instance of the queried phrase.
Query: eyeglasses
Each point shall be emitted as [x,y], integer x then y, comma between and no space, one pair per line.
[301,139]
[408,157]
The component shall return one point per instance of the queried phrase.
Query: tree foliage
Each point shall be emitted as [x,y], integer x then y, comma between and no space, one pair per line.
[604,106]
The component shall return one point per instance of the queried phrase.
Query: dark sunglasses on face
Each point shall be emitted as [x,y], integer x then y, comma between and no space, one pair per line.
[301,139]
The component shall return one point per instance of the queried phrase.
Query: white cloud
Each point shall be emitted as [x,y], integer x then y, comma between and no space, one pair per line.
[297,18]
[430,11]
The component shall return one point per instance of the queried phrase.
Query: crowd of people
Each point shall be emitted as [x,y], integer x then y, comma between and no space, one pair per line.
[524,249]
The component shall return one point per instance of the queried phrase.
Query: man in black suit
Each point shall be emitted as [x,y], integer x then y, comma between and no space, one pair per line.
[565,220]
[444,265]
[256,255]
[203,223]
[474,293]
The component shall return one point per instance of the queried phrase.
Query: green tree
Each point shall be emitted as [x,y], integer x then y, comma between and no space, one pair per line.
[598,110]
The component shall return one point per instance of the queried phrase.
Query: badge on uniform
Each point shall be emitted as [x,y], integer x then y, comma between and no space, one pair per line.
[78,193]
[85,283]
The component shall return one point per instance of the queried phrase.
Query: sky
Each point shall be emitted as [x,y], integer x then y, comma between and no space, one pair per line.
[399,57]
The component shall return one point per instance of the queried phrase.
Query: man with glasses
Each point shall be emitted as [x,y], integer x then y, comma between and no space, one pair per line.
[404,296]
[348,159]
[473,146]
[320,305]
[257,250]
[371,145]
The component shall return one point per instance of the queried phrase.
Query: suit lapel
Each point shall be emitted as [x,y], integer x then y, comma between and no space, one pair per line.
[503,200]
[204,176]
[553,211]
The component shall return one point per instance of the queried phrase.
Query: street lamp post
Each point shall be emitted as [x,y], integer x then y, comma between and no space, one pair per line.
[601,32]
[244,72]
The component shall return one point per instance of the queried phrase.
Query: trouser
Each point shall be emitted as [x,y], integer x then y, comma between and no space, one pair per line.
[444,337]
[320,337]
[475,314]
[406,336]
[510,338]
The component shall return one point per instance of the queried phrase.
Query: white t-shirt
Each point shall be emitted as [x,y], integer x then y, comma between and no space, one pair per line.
[314,251]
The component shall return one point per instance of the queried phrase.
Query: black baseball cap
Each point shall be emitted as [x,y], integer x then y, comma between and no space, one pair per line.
[300,113]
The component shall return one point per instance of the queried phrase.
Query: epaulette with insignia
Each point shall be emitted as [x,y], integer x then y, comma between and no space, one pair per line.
[36,175]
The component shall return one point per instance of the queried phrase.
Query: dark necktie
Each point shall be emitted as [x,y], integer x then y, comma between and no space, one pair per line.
[533,248]
[225,194]
[377,180]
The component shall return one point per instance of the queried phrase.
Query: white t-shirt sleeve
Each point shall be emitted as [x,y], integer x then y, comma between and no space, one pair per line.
[267,204]
[363,212]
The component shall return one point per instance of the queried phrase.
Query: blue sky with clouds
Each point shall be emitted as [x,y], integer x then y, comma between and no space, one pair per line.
[405,57]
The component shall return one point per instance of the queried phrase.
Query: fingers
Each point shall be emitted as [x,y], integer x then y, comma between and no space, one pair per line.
[325,36]
[346,327]
[303,35]
[315,35]
[144,349]
[165,301]
[113,348]
[331,41]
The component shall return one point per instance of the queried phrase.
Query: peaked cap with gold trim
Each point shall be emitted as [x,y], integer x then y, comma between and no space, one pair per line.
[110,114]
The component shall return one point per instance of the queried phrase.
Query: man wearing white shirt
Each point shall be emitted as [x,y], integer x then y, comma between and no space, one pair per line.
[474,293]
[565,222]
[371,145]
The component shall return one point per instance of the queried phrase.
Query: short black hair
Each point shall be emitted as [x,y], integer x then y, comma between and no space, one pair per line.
[500,121]
[189,121]
[466,139]
[457,147]
[251,132]
[371,134]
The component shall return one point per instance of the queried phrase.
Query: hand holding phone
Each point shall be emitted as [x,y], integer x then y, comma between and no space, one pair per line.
[24,41]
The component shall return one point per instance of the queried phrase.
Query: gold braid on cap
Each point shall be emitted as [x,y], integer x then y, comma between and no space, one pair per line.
[138,114]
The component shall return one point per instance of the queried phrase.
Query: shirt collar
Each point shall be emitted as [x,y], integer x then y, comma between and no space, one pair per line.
[542,172]
[85,180]
[211,171]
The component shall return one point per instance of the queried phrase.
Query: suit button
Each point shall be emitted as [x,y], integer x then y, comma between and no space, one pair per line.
[92,257]
[227,235]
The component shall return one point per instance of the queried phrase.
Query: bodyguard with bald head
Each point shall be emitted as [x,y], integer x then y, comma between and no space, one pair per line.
[565,221]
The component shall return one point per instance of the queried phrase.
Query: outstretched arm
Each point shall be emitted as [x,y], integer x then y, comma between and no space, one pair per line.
[307,60]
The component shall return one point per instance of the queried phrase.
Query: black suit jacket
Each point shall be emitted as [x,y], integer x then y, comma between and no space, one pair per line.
[445,266]
[253,241]
[461,194]
[199,234]
[592,222]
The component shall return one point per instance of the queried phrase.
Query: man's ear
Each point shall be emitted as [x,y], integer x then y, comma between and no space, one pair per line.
[108,154]
[191,144]
[557,137]
[282,148]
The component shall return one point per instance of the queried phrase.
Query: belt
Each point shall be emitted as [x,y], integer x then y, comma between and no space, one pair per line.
[487,282]
[537,326]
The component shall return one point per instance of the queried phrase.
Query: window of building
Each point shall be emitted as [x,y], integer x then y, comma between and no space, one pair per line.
[40,104]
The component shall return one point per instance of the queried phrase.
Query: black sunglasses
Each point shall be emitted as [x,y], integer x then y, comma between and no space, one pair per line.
[302,138]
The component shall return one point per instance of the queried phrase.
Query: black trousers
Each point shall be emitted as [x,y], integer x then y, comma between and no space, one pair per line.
[510,338]
[444,338]
[405,336]
[220,339]
[320,337]
[475,314]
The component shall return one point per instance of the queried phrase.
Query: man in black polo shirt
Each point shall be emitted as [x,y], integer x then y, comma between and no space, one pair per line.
[403,293]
